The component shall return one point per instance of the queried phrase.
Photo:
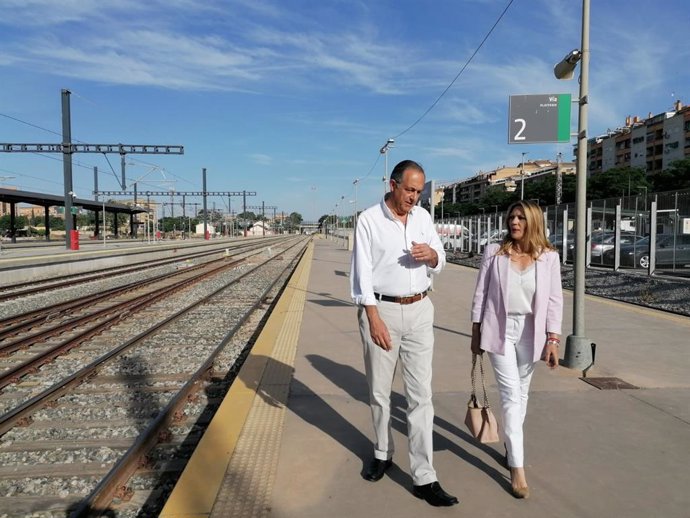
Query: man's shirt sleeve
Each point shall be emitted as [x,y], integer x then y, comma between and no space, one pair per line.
[436,244]
[361,278]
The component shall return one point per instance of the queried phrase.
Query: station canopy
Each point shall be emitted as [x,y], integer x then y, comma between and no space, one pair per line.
[49,200]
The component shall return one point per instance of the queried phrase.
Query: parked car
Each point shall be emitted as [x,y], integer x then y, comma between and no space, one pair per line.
[637,254]
[557,241]
[603,241]
[495,237]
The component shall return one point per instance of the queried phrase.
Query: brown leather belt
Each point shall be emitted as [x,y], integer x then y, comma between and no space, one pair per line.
[401,300]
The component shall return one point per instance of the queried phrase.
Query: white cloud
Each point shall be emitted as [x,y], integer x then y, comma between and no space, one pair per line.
[261,159]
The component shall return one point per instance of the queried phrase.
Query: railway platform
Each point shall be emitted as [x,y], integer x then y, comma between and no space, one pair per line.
[293,435]
[39,260]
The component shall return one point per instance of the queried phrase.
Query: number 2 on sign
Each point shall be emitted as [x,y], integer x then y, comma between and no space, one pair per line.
[519,135]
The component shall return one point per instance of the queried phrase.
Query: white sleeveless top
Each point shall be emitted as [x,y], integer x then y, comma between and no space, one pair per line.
[521,288]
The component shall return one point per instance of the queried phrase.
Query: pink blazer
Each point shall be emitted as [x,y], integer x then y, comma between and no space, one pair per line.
[489,306]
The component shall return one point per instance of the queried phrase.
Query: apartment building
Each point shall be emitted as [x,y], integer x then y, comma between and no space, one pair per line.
[651,143]
[472,189]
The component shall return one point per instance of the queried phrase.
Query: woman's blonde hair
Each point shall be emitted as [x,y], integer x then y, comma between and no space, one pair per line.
[535,240]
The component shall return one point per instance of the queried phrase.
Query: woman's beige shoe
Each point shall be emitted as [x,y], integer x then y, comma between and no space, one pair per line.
[520,492]
[517,476]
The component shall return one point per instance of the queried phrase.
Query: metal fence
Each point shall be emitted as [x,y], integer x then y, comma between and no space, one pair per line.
[648,231]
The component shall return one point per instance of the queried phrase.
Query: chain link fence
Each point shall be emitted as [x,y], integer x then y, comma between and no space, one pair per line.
[646,232]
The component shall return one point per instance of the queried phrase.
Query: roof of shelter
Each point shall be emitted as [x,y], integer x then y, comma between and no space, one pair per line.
[47,200]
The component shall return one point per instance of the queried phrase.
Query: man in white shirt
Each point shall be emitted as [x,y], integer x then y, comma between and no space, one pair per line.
[396,249]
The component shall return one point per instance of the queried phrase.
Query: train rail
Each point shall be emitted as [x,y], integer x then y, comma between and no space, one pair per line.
[132,399]
[10,290]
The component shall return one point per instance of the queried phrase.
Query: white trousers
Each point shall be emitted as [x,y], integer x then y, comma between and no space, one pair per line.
[412,336]
[513,371]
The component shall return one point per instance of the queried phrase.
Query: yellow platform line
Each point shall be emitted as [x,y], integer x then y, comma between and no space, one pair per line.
[241,425]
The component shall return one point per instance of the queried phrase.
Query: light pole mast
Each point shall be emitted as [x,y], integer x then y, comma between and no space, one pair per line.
[354,220]
[522,176]
[384,152]
[579,349]
[559,181]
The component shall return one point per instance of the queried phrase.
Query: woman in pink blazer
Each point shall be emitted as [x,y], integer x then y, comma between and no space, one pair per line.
[516,317]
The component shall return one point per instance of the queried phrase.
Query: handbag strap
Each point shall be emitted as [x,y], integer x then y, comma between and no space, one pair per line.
[473,377]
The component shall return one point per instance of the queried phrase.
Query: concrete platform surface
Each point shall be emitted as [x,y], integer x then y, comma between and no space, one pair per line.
[589,452]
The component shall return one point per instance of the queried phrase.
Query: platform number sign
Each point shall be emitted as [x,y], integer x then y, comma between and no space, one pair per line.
[539,118]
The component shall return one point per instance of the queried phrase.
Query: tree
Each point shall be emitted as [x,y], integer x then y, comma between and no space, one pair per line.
[293,220]
[324,220]
[243,215]
[19,222]
[177,223]
[616,182]
[56,223]
[497,198]
[675,177]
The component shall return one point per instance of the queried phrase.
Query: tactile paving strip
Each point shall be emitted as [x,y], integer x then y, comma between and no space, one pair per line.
[246,489]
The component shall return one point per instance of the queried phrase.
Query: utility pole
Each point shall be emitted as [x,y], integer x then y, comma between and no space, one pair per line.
[67,148]
[204,194]
[203,183]
[263,208]
[184,216]
[354,219]
[579,350]
[384,152]
[522,176]
[559,180]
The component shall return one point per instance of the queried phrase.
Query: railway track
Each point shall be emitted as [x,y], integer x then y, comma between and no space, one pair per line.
[108,424]
[10,290]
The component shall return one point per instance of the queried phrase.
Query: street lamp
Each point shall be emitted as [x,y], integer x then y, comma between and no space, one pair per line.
[384,152]
[578,349]
[354,221]
[522,176]
[645,194]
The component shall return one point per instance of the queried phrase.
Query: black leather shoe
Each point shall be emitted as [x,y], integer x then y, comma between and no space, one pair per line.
[434,495]
[376,469]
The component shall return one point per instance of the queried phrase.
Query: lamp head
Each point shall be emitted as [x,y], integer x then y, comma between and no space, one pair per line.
[388,144]
[566,68]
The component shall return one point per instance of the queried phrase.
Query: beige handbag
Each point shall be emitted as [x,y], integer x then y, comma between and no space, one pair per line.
[480,420]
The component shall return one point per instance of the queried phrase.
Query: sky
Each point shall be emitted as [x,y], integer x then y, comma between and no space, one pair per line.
[293,99]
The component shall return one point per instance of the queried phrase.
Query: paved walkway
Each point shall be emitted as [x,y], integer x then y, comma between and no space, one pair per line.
[589,452]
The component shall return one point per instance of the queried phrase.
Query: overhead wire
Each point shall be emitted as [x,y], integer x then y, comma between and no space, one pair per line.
[457,76]
[77,163]
[464,67]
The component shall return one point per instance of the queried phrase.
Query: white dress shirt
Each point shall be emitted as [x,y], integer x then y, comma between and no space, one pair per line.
[381,259]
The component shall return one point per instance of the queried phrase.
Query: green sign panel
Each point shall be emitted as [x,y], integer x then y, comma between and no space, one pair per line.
[539,118]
